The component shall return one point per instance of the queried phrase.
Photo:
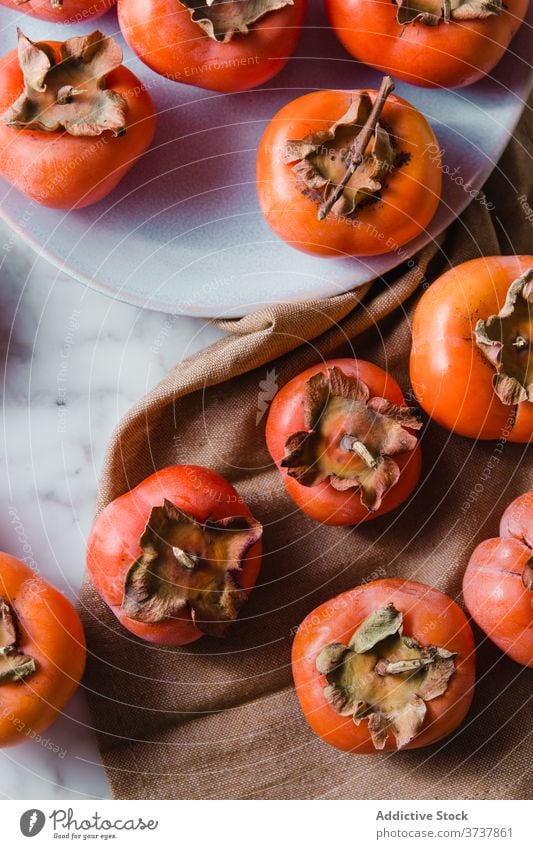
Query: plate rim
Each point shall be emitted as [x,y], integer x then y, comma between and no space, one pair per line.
[209,311]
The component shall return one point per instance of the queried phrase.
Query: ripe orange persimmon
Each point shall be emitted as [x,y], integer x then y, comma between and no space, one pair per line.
[420,43]
[342,438]
[73,119]
[498,583]
[471,358]
[306,151]
[176,557]
[61,11]
[219,46]
[388,665]
[42,655]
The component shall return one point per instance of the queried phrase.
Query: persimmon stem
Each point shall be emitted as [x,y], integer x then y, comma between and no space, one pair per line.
[359,146]
[350,443]
[396,667]
[520,343]
[189,561]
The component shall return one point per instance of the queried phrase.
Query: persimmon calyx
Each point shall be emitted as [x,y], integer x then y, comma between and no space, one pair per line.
[331,169]
[505,340]
[222,19]
[434,12]
[350,438]
[70,94]
[385,677]
[188,565]
[13,664]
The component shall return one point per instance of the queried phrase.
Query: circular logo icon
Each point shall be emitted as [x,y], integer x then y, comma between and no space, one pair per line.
[32,822]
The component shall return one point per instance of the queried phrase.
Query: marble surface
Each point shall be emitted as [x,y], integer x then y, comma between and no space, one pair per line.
[73,361]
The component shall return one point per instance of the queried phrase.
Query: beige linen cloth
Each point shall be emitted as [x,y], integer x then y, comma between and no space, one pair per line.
[220,719]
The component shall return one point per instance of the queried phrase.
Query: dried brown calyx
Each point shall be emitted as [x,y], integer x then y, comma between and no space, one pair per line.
[222,19]
[385,677]
[345,164]
[434,12]
[350,439]
[70,94]
[187,565]
[505,340]
[13,665]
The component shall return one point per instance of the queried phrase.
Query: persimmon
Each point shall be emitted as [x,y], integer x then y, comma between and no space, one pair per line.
[73,119]
[388,665]
[342,438]
[222,46]
[61,11]
[348,173]
[176,557]
[431,43]
[498,583]
[471,359]
[42,652]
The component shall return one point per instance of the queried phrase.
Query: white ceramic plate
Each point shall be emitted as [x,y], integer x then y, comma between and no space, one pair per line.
[183,232]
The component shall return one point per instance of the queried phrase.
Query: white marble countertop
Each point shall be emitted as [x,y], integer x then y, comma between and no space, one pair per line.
[73,361]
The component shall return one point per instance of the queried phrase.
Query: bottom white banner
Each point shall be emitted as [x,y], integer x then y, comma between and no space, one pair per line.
[254,824]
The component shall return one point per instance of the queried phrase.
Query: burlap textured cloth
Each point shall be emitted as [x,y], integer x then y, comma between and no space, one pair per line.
[221,719]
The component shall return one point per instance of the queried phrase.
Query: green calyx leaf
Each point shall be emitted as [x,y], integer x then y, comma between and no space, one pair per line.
[384,623]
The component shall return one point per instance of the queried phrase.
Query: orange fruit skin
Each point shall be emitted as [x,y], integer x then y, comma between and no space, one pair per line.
[114,540]
[39,164]
[429,616]
[72,11]
[444,56]
[163,35]
[493,588]
[49,630]
[322,502]
[407,202]
[451,378]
